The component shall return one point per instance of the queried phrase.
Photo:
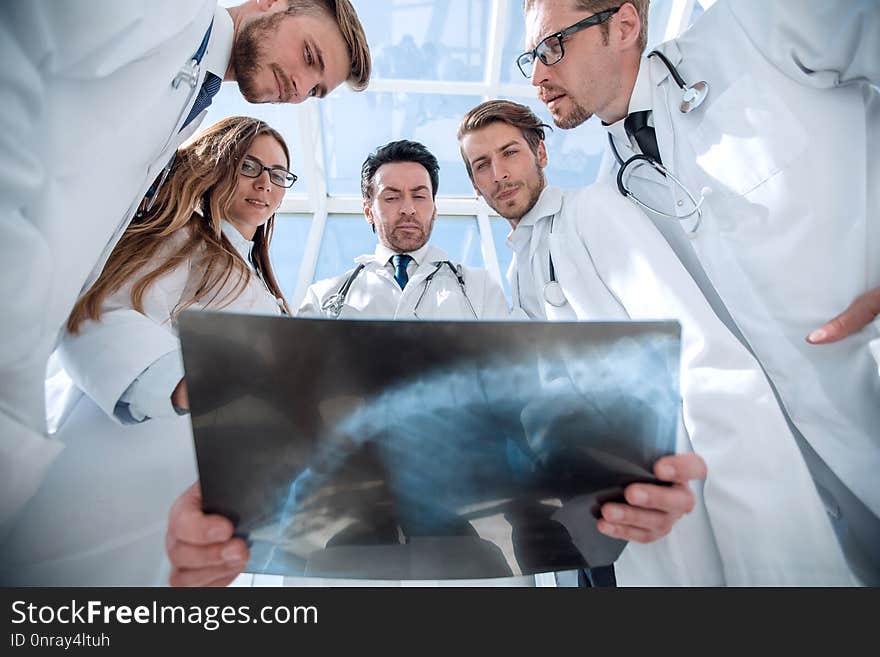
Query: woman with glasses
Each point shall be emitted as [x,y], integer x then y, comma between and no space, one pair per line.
[203,243]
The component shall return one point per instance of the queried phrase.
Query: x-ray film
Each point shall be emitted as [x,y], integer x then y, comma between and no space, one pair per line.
[425,450]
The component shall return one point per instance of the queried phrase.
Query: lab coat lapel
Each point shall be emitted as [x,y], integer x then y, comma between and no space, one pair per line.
[588,294]
[662,85]
[375,265]
[548,206]
[513,279]
[173,139]
[433,256]
[567,275]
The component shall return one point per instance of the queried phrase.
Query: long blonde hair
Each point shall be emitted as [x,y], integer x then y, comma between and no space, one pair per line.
[195,197]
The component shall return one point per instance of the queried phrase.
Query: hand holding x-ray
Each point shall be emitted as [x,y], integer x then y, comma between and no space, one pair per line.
[429,450]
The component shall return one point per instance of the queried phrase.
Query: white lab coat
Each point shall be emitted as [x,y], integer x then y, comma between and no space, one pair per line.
[100,517]
[787,140]
[758,519]
[89,119]
[375,293]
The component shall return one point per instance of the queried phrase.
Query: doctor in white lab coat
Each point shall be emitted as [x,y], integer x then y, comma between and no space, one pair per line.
[436,288]
[399,184]
[406,277]
[783,147]
[100,517]
[97,95]
[758,520]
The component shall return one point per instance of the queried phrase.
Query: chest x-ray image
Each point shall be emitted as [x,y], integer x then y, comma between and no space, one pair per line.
[425,450]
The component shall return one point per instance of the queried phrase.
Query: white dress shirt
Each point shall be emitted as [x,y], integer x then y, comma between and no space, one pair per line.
[433,290]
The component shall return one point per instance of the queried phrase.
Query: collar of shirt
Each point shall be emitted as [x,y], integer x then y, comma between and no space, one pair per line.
[382,254]
[548,205]
[242,246]
[245,249]
[219,50]
[640,100]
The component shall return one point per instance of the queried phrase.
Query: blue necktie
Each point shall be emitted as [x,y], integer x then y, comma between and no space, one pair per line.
[209,89]
[210,86]
[400,263]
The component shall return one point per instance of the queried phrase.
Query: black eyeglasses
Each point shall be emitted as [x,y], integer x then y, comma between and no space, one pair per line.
[550,49]
[251,167]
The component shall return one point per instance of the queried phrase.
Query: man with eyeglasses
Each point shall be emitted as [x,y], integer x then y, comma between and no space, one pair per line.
[749,142]
[97,96]
[588,254]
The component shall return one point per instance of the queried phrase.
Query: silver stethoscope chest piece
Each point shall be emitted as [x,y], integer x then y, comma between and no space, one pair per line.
[693,96]
[553,294]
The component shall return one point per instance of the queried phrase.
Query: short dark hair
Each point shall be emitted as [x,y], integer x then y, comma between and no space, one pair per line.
[399,151]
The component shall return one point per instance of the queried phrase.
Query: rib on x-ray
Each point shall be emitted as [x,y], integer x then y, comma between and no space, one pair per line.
[426,450]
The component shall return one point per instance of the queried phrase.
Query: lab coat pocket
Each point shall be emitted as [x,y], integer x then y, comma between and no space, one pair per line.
[448,304]
[747,136]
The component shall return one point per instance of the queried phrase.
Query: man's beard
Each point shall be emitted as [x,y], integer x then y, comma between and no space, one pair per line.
[573,119]
[248,53]
[534,195]
[411,242]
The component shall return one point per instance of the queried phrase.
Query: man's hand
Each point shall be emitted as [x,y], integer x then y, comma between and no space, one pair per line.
[860,313]
[201,548]
[652,510]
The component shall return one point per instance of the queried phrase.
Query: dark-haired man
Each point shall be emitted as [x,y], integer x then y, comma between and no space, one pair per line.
[406,276]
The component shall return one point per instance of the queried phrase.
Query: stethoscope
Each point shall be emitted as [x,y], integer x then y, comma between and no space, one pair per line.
[553,293]
[692,97]
[332,306]
[189,73]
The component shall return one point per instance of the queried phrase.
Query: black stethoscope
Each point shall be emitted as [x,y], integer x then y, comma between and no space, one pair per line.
[692,97]
[333,305]
[553,293]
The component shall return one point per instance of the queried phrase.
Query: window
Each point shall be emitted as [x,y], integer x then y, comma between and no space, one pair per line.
[433,61]
[287,249]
